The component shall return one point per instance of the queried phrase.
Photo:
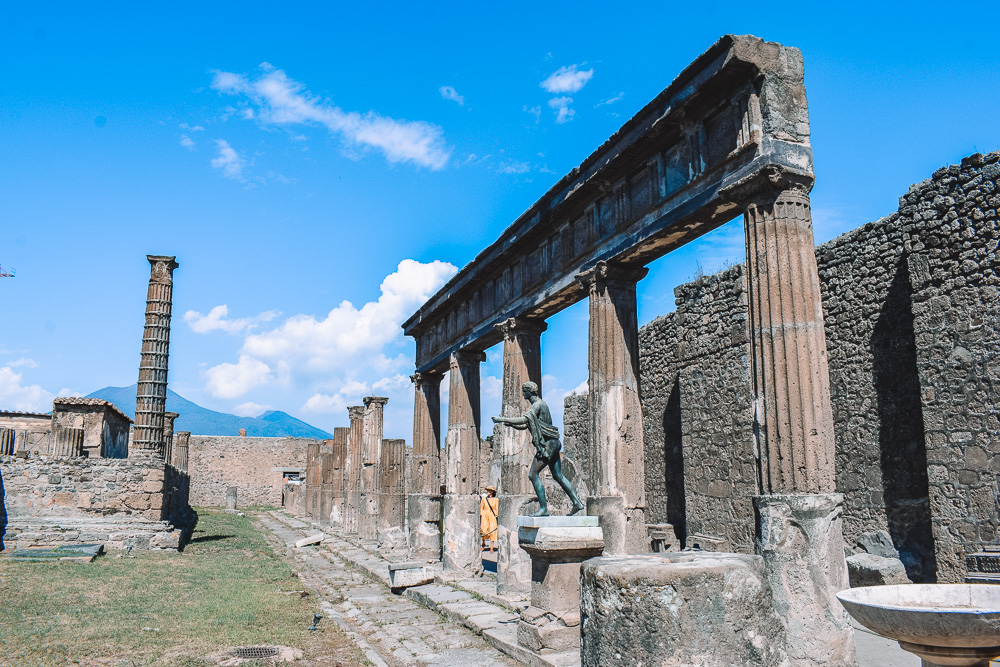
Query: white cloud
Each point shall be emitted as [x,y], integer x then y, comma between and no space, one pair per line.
[284,101]
[579,390]
[250,409]
[611,100]
[449,93]
[325,404]
[567,79]
[23,361]
[20,397]
[229,162]
[232,380]
[191,128]
[514,167]
[561,106]
[216,320]
[186,142]
[337,340]
[393,383]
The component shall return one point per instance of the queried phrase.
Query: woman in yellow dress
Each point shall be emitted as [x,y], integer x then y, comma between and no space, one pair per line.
[489,506]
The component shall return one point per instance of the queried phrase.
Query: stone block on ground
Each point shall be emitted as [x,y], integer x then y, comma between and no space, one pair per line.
[406,575]
[312,539]
[867,569]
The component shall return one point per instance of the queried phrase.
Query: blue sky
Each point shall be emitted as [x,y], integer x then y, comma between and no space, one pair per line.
[319,170]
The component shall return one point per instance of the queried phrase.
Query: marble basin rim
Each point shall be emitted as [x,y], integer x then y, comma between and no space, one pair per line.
[946,615]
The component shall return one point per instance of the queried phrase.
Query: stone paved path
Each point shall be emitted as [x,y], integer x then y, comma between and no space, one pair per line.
[392,630]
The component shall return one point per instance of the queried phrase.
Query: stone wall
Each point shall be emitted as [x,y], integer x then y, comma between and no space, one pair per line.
[25,431]
[216,462]
[913,333]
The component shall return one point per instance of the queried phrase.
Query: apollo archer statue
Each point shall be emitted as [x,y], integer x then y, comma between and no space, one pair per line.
[545,437]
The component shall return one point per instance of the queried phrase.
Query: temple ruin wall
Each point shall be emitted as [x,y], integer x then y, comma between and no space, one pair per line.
[217,462]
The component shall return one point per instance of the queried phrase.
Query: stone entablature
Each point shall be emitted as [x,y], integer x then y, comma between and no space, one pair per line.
[665,178]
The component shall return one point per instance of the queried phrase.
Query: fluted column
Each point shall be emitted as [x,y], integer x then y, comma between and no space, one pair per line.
[313,479]
[371,452]
[392,498]
[352,509]
[151,393]
[460,507]
[615,436]
[168,435]
[325,506]
[793,419]
[339,476]
[522,362]
[180,455]
[424,500]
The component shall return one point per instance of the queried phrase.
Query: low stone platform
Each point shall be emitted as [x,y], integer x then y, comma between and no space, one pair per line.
[116,533]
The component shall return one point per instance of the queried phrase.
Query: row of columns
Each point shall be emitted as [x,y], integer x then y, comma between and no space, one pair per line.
[793,420]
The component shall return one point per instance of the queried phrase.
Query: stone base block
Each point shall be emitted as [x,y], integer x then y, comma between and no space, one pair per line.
[553,637]
[424,521]
[460,541]
[337,517]
[801,540]
[687,608]
[513,563]
[407,575]
[872,570]
[624,528]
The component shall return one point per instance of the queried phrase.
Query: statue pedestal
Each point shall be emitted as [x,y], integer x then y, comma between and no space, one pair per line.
[558,545]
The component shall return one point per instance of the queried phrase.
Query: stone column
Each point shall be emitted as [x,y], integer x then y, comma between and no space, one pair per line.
[339,476]
[460,507]
[151,394]
[424,507]
[352,508]
[617,477]
[326,482]
[313,479]
[181,443]
[392,496]
[168,435]
[799,535]
[522,361]
[371,452]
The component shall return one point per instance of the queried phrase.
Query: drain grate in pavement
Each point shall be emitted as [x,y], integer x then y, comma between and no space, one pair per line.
[255,652]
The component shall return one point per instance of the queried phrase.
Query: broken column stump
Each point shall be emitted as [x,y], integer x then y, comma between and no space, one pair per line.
[557,545]
[684,608]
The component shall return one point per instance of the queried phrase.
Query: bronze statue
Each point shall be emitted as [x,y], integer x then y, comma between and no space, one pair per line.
[538,420]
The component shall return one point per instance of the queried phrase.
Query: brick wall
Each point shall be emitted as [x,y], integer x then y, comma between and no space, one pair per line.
[217,462]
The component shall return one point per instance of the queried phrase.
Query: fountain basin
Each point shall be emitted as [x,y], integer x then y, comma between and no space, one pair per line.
[944,624]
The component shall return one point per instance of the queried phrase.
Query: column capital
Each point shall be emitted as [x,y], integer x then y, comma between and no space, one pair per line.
[162,268]
[767,184]
[377,400]
[426,378]
[605,272]
[515,326]
[466,358]
[356,412]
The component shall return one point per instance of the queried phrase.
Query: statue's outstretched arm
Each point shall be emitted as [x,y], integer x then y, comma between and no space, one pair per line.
[520,423]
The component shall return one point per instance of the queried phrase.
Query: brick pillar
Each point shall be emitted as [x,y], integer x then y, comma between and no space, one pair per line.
[151,394]
[460,506]
[793,419]
[339,476]
[371,452]
[424,506]
[615,438]
[352,509]
[522,362]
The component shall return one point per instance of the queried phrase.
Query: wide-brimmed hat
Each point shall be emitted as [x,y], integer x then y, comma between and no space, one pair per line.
[491,488]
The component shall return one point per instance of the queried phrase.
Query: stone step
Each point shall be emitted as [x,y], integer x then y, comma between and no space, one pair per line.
[113,534]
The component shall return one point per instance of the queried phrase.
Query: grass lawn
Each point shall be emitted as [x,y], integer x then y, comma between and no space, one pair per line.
[227,589]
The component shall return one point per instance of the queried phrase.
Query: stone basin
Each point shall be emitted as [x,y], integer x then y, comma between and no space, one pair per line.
[944,624]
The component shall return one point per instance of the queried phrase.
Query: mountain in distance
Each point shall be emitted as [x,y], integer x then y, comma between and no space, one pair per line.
[202,421]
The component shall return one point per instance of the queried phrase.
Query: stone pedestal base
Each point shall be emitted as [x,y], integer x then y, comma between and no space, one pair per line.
[513,563]
[686,608]
[337,517]
[624,529]
[801,540]
[460,549]
[557,546]
[424,521]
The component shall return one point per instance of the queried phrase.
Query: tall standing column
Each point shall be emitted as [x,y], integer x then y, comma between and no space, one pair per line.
[392,495]
[151,394]
[424,507]
[168,435]
[339,476]
[794,420]
[617,474]
[522,362]
[180,457]
[371,452]
[460,507]
[352,509]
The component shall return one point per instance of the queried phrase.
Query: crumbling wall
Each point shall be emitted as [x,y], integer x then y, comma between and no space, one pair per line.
[217,462]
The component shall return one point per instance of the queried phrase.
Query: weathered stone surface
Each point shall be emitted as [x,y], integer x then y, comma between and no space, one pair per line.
[424,524]
[217,462]
[872,570]
[801,542]
[405,575]
[460,523]
[711,610]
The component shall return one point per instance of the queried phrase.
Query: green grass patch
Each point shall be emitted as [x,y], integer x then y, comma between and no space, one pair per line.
[226,589]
